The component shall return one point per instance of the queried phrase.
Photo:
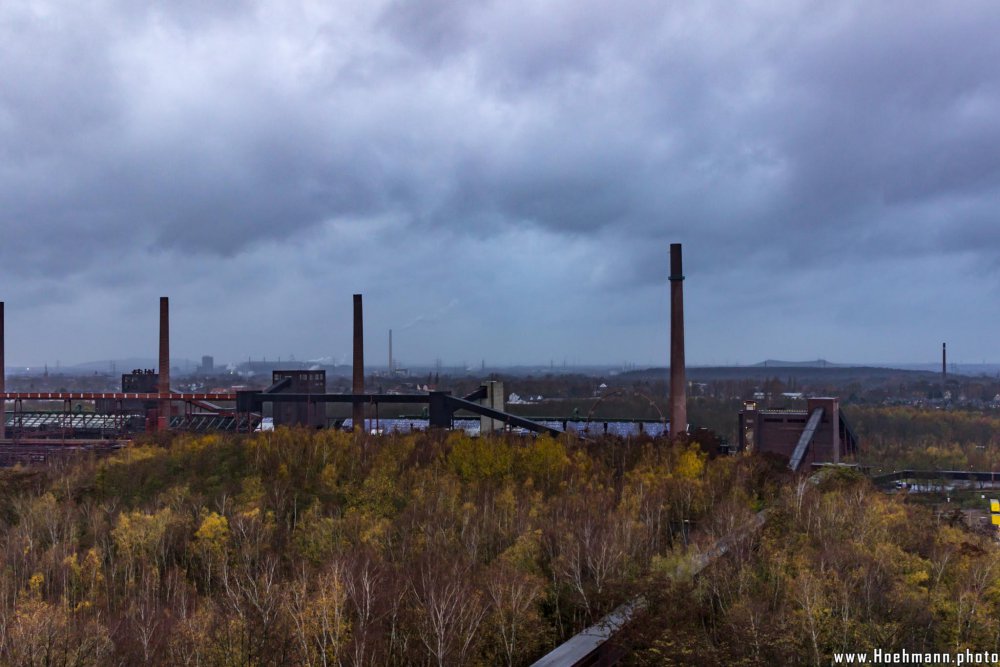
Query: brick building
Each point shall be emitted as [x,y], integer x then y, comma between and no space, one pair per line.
[818,434]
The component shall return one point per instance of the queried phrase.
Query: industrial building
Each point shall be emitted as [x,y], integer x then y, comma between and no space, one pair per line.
[818,434]
[146,402]
[298,397]
[301,413]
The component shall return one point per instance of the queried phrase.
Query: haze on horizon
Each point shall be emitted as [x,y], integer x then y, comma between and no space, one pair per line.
[500,180]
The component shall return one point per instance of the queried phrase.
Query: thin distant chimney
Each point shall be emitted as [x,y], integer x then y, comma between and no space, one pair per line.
[390,352]
[163,423]
[944,366]
[678,378]
[3,381]
[358,387]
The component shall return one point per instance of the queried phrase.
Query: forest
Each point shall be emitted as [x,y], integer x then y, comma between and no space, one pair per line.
[837,568]
[298,547]
[910,438]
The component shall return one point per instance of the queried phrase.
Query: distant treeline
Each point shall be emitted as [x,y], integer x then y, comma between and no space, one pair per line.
[894,438]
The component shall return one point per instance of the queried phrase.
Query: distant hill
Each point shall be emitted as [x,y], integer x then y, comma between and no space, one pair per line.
[777,363]
[956,368]
[833,375]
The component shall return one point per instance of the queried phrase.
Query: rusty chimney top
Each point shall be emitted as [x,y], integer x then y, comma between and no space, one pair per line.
[358,387]
[678,377]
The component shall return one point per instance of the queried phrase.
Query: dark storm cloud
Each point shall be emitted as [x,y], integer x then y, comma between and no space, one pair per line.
[784,144]
[888,124]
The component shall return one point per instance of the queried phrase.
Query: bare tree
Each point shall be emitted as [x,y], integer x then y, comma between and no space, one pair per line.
[513,597]
[450,608]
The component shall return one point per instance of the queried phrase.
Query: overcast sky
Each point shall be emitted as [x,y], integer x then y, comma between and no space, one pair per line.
[501,180]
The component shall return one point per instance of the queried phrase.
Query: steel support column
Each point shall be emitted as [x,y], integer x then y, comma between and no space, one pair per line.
[440,412]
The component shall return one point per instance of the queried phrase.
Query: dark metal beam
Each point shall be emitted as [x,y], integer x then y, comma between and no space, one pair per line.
[114,395]
[278,386]
[343,398]
[443,406]
[505,417]
[477,395]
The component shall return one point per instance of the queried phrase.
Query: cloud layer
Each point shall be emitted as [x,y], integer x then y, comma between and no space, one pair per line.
[506,175]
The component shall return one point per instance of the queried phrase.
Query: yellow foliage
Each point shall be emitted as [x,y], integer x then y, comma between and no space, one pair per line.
[642,482]
[135,454]
[35,584]
[252,491]
[253,514]
[544,460]
[194,445]
[377,533]
[328,477]
[85,579]
[525,553]
[213,533]
[319,613]
[916,577]
[479,459]
[690,463]
[379,494]
[316,535]
[505,503]
[137,534]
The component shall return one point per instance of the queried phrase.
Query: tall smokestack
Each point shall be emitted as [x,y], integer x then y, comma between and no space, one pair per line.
[678,379]
[163,422]
[944,366]
[390,352]
[358,414]
[3,381]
